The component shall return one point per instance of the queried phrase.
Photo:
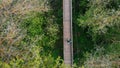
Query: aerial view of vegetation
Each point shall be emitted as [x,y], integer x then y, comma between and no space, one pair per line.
[59,33]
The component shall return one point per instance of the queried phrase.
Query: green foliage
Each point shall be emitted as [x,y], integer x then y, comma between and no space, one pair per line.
[27,37]
[33,25]
[38,62]
[4,65]
[50,62]
[103,57]
[99,18]
[41,27]
[34,39]
[113,50]
[99,23]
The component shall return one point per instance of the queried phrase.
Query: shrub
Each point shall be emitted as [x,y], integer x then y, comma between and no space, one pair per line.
[102,57]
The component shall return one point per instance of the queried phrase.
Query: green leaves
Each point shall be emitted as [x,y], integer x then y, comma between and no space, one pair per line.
[98,18]
[101,22]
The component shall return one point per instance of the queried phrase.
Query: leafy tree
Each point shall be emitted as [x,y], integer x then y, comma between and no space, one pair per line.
[101,23]
[99,19]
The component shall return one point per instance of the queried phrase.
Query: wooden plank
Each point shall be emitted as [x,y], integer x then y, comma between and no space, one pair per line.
[67,32]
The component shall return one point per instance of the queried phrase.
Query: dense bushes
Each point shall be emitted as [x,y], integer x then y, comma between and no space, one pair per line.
[99,18]
[101,23]
[103,57]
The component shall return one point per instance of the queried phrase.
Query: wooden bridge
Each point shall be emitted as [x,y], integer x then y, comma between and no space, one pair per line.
[67,32]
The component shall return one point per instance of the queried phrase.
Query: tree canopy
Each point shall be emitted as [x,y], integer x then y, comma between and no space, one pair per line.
[31,33]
